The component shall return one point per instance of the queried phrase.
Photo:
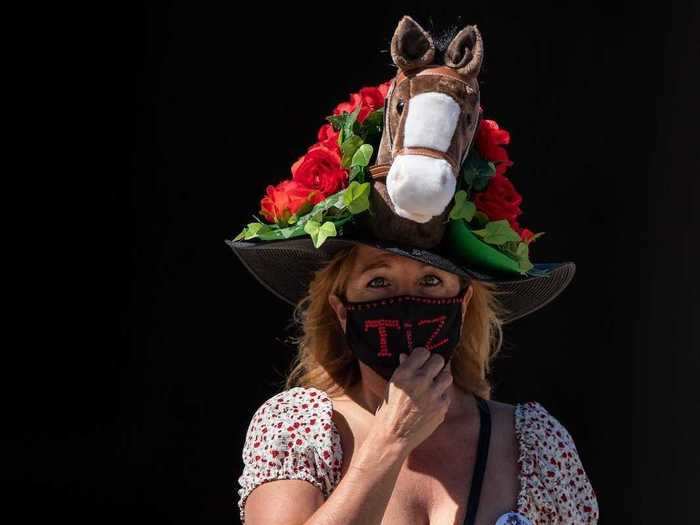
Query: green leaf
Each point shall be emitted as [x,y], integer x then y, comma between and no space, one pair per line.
[481,219]
[319,233]
[240,235]
[374,119]
[317,217]
[497,232]
[523,256]
[462,209]
[477,171]
[356,197]
[348,149]
[347,130]
[356,172]
[362,155]
[337,121]
[311,227]
[253,229]
[371,129]
[327,230]
[345,123]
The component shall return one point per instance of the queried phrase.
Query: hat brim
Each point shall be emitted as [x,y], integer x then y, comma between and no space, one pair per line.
[286,267]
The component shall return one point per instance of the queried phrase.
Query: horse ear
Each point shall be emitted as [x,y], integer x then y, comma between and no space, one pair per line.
[466,52]
[411,45]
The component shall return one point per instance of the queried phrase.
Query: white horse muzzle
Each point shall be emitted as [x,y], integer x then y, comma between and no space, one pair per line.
[420,187]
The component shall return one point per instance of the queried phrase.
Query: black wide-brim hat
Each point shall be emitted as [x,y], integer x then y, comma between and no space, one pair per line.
[477,235]
[286,268]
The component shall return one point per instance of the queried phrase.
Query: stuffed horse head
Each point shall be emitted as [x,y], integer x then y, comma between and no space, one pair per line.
[430,118]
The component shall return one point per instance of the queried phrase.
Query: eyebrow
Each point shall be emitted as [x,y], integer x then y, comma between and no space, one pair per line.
[381,263]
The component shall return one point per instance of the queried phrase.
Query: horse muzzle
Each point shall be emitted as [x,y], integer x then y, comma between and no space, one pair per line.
[420,182]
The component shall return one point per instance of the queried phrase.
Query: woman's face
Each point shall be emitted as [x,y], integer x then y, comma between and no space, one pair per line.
[377,274]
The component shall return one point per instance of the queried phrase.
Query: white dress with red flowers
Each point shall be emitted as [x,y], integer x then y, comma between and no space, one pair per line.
[292,436]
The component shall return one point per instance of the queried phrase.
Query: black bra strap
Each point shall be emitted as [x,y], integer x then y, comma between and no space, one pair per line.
[482,452]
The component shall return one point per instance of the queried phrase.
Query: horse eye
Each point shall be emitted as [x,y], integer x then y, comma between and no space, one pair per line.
[399,107]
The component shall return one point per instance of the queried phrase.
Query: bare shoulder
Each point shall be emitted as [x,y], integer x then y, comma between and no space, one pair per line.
[502,412]
[504,430]
[500,406]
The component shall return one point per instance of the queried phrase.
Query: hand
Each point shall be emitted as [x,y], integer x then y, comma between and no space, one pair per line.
[416,399]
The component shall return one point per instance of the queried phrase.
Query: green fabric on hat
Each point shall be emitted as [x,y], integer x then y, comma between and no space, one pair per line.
[462,243]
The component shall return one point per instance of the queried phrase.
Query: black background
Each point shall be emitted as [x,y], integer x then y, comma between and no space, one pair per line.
[138,347]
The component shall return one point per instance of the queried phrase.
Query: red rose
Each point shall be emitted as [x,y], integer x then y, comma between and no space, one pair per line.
[526,235]
[500,200]
[286,199]
[372,97]
[368,99]
[327,133]
[330,144]
[384,88]
[489,141]
[320,169]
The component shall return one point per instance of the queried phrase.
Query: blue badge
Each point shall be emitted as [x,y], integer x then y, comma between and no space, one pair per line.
[513,518]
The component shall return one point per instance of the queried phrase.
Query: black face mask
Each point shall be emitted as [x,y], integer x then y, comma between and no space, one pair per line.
[378,331]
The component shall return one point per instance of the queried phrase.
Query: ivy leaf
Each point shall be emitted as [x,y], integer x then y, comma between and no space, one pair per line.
[372,125]
[319,233]
[338,121]
[240,235]
[356,197]
[355,173]
[252,230]
[498,233]
[481,219]
[348,127]
[317,217]
[477,171]
[522,253]
[362,155]
[282,233]
[329,202]
[374,119]
[462,209]
[526,265]
[348,149]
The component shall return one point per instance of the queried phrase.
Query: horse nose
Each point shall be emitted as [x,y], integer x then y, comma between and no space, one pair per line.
[420,187]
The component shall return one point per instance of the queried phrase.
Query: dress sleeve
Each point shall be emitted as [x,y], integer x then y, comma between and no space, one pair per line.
[554,487]
[291,436]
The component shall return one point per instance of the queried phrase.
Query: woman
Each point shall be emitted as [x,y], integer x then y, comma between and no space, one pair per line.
[404,450]
[386,416]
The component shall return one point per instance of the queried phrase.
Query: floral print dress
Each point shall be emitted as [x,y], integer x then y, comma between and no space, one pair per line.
[292,436]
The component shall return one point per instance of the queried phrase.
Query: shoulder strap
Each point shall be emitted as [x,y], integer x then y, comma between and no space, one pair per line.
[481,457]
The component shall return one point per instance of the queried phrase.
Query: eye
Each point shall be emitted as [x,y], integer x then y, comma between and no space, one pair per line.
[399,106]
[432,280]
[380,280]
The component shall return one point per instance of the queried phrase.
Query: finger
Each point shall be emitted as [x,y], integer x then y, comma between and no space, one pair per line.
[434,365]
[443,380]
[417,357]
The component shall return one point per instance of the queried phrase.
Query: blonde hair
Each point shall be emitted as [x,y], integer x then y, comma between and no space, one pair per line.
[325,361]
